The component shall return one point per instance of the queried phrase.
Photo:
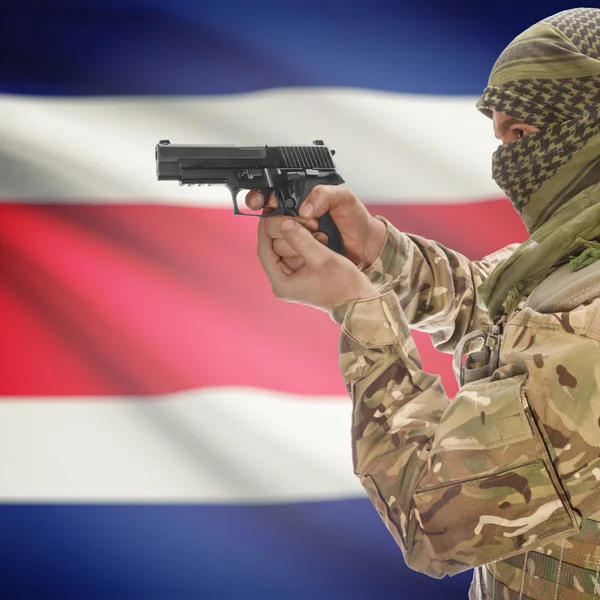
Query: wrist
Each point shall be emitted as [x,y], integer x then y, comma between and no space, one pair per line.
[365,291]
[376,239]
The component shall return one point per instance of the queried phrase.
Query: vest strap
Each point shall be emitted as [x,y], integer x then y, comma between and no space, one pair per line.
[564,289]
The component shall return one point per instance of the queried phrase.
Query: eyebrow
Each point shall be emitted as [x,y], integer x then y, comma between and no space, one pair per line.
[506,125]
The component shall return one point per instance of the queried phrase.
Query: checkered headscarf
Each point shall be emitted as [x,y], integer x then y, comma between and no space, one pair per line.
[549,77]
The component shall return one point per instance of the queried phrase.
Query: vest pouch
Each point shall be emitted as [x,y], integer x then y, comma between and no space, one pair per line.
[490,491]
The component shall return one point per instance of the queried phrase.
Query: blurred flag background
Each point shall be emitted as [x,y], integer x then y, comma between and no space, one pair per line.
[168,429]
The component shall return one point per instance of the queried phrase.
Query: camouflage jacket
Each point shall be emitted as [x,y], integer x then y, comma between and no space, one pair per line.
[513,462]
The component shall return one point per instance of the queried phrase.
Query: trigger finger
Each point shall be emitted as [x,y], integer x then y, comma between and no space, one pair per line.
[254,200]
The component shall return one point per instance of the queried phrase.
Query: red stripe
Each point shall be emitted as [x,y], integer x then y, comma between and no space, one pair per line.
[137,299]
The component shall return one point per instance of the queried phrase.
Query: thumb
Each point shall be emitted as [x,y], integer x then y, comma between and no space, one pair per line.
[301,240]
[327,198]
[316,203]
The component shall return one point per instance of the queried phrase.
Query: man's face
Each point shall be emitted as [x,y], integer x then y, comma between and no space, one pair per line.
[508,129]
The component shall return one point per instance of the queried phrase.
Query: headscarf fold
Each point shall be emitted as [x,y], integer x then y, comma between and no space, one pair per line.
[548,77]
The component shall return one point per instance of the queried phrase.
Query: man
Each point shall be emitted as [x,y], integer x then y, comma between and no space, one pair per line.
[505,478]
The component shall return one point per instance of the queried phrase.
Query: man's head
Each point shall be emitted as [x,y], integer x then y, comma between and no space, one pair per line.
[543,96]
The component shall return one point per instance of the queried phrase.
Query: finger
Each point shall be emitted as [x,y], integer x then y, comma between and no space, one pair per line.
[268,259]
[285,268]
[273,225]
[254,200]
[283,249]
[321,237]
[302,241]
[293,263]
[310,224]
[272,202]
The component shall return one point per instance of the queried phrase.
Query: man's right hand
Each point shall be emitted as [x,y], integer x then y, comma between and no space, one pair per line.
[363,235]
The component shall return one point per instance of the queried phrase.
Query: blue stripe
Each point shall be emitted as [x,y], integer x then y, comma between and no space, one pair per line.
[99,47]
[318,551]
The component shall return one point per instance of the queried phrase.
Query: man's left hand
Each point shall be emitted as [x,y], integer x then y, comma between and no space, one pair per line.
[326,279]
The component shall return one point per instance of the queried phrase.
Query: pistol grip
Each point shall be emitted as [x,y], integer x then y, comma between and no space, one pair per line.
[326,223]
[334,239]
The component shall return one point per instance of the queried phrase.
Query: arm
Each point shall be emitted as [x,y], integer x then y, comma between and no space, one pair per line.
[466,483]
[436,286]
[477,480]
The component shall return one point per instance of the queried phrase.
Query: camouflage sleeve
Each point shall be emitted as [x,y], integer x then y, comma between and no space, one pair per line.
[436,286]
[457,484]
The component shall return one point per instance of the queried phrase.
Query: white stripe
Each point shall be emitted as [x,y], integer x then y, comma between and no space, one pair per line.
[390,147]
[222,445]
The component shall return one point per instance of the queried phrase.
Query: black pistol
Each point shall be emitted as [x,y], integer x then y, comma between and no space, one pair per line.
[289,172]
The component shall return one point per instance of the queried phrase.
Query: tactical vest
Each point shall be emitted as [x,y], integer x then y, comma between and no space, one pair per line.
[574,563]
[568,570]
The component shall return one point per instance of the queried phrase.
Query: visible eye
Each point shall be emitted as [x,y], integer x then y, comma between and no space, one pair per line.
[518,132]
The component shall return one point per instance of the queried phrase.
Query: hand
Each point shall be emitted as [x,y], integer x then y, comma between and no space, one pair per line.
[325,279]
[363,235]
[254,201]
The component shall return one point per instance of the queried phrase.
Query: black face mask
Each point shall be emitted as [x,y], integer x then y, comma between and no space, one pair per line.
[543,170]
